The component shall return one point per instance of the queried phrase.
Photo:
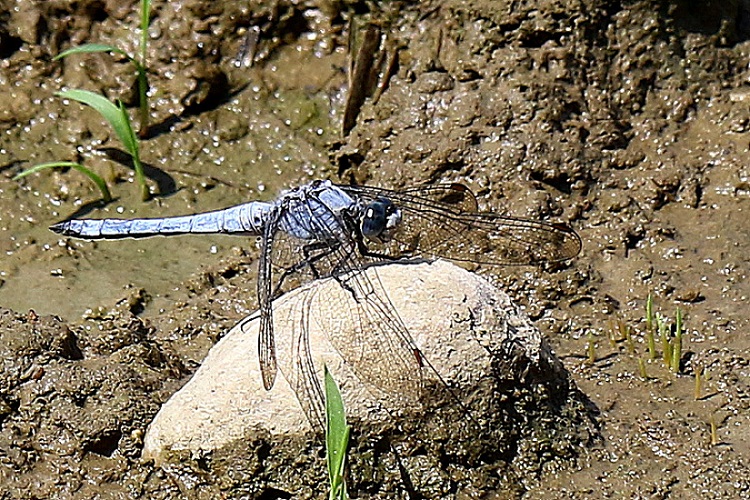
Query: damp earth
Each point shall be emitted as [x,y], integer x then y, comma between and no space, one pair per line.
[628,121]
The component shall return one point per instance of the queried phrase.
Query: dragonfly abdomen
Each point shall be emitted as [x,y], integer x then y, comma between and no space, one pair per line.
[246,219]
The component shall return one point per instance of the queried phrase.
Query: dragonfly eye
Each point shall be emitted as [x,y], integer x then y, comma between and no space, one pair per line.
[380,220]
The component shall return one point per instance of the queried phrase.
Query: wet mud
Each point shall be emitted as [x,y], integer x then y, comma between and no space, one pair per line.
[629,121]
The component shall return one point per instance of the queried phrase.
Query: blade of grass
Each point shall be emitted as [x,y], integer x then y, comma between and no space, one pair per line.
[626,333]
[91,48]
[118,119]
[337,437]
[141,67]
[106,196]
[139,175]
[677,342]
[714,430]
[698,374]
[612,334]
[590,348]
[145,21]
[109,111]
[642,369]
[666,344]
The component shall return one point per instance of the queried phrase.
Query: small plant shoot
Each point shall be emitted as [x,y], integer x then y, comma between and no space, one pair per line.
[101,184]
[118,119]
[337,438]
[140,66]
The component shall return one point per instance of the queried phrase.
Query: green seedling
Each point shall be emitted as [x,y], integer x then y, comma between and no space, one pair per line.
[625,332]
[714,430]
[118,119]
[106,196]
[612,334]
[140,65]
[642,369]
[337,438]
[591,348]
[669,335]
[664,334]
[671,339]
[677,342]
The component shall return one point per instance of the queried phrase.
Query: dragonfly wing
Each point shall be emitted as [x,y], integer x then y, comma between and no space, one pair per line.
[266,343]
[357,316]
[442,221]
[367,331]
[363,325]
[296,361]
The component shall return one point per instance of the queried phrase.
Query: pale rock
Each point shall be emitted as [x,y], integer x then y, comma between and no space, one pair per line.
[461,323]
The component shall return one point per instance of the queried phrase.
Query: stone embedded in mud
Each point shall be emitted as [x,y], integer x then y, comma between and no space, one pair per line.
[516,397]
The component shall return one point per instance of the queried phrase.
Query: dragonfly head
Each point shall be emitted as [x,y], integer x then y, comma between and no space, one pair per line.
[380,220]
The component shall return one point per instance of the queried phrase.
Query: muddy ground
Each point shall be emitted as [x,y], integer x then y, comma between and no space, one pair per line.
[628,120]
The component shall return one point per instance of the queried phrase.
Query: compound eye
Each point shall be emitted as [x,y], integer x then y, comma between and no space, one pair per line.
[381,220]
[375,218]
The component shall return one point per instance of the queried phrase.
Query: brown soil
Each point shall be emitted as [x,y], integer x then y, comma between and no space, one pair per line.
[630,121]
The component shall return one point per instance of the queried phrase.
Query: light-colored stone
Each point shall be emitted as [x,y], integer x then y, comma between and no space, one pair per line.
[457,319]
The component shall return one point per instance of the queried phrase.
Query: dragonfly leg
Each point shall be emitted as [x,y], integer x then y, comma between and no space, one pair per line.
[314,252]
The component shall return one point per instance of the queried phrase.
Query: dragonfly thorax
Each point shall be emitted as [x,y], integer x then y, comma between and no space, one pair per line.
[380,220]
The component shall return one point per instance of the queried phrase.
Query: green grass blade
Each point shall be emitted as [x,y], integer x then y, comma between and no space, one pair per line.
[666,343]
[143,100]
[141,67]
[118,119]
[106,196]
[127,136]
[650,327]
[90,48]
[110,112]
[677,342]
[134,152]
[145,21]
[337,437]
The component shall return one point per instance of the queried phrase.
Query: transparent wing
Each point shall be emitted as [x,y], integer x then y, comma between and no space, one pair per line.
[366,329]
[266,341]
[357,316]
[385,362]
[297,364]
[442,221]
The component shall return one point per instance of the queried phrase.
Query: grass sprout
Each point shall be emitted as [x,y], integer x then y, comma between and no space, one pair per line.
[337,438]
[664,334]
[677,342]
[660,330]
[625,332]
[590,348]
[106,196]
[612,335]
[671,340]
[140,65]
[118,119]
[714,430]
[642,369]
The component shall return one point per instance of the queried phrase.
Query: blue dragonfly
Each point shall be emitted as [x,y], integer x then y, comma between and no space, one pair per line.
[323,230]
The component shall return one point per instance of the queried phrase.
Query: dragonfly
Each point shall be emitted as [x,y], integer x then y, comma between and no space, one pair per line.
[324,230]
